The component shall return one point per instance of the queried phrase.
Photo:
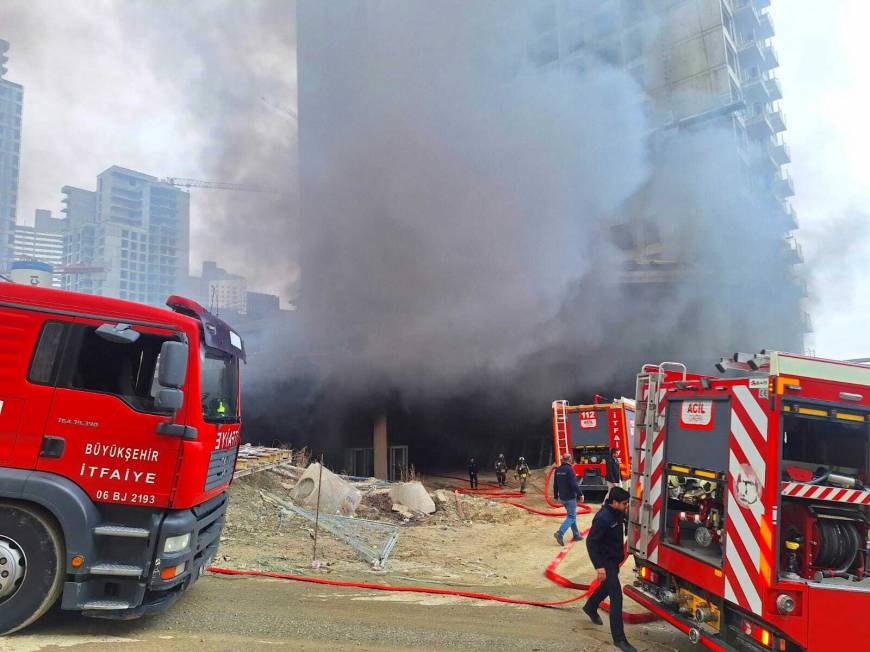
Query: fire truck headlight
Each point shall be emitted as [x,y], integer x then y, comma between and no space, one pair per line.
[177,543]
[785,604]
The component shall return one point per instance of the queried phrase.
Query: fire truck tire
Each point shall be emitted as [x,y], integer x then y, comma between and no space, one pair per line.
[35,539]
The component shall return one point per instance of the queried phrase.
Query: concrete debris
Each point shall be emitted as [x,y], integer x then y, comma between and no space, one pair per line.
[414,496]
[404,511]
[337,496]
[442,497]
[287,471]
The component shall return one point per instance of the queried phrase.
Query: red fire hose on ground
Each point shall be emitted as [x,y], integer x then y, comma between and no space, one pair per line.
[551,568]
[551,574]
[495,492]
[491,490]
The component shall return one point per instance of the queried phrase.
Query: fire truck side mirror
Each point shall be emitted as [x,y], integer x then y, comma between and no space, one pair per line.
[173,365]
[170,399]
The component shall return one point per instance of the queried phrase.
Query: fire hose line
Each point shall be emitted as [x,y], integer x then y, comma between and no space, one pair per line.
[551,568]
[491,490]
[550,573]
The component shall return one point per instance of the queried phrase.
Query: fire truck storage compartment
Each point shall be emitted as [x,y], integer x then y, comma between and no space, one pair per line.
[824,530]
[695,475]
[590,442]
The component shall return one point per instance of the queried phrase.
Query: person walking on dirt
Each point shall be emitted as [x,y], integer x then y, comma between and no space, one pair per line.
[501,470]
[606,547]
[523,472]
[613,475]
[567,490]
[472,473]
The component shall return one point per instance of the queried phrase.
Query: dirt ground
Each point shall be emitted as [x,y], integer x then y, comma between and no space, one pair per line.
[495,549]
[235,613]
[494,545]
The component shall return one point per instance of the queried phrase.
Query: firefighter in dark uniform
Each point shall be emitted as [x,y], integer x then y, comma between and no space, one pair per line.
[523,472]
[472,473]
[606,547]
[501,470]
[613,476]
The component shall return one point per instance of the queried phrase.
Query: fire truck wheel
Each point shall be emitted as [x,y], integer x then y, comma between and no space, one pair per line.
[33,550]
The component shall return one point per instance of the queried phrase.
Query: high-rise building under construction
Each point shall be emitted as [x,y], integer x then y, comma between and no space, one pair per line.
[624,159]
[704,66]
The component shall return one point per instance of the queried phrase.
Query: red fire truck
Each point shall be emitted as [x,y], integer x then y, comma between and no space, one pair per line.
[750,502]
[119,425]
[588,432]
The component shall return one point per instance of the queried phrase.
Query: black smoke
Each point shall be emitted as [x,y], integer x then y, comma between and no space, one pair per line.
[469,226]
[460,223]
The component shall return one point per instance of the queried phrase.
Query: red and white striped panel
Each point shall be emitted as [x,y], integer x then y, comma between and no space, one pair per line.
[638,462]
[744,545]
[832,494]
[656,468]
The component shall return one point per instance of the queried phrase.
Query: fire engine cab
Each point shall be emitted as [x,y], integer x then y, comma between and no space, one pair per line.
[588,432]
[119,425]
[749,518]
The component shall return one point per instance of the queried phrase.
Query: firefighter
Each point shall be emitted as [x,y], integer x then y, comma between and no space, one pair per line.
[472,473]
[522,472]
[501,468]
[613,475]
[567,490]
[605,544]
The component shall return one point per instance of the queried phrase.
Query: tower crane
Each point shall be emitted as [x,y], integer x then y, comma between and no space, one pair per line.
[179,182]
[286,111]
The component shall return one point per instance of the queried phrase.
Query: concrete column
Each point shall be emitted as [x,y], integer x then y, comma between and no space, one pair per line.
[381,450]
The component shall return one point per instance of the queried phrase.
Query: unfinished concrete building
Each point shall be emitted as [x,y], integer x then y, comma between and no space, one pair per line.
[704,65]
[706,259]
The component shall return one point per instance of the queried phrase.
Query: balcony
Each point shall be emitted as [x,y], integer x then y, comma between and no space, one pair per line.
[807,322]
[765,26]
[774,89]
[783,186]
[763,161]
[755,88]
[793,251]
[747,17]
[791,220]
[771,58]
[758,125]
[777,120]
[780,151]
[751,53]
[799,285]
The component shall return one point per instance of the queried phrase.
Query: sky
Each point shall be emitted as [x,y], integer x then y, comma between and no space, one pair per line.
[106,84]
[823,50]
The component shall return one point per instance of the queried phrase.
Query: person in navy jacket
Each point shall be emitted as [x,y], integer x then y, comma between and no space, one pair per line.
[605,543]
[567,490]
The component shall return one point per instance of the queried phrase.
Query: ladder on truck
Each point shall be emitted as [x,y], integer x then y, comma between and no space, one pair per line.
[560,426]
[647,424]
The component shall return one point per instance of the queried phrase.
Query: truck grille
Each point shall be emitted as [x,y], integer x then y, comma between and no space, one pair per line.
[220,468]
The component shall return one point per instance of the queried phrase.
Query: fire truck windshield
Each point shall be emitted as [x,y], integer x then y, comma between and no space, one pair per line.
[220,386]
